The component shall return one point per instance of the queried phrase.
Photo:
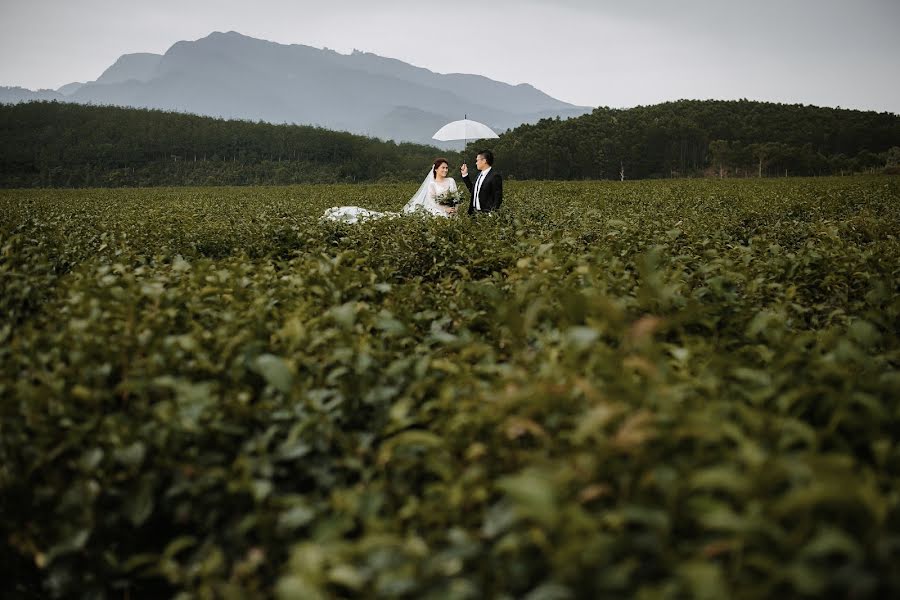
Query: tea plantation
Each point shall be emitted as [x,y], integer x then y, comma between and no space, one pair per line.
[670,389]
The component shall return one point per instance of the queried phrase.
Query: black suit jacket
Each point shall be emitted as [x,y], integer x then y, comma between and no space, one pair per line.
[490,195]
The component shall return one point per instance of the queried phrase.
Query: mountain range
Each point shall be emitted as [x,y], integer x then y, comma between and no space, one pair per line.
[233,76]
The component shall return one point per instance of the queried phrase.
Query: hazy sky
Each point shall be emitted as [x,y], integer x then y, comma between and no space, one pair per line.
[588,52]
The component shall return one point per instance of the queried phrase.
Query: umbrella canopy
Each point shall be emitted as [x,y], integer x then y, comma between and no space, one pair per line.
[464,129]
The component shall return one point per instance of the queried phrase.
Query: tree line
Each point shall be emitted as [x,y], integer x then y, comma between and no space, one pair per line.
[51,144]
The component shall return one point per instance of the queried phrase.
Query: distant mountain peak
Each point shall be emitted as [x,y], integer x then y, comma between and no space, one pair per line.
[235,34]
[139,66]
[70,88]
[231,75]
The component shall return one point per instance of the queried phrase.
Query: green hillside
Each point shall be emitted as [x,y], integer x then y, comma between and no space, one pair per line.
[711,137]
[50,144]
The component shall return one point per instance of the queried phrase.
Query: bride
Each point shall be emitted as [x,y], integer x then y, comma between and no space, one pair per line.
[436,188]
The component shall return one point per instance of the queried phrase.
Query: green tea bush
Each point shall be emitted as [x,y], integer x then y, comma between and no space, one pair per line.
[646,389]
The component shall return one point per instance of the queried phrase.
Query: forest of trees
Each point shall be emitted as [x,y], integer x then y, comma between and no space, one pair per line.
[50,144]
[703,138]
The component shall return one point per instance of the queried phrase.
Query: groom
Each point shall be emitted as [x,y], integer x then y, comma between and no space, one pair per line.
[488,190]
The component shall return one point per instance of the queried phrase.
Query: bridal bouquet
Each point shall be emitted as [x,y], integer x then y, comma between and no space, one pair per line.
[449,198]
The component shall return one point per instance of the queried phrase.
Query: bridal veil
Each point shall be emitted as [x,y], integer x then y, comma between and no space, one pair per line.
[355,214]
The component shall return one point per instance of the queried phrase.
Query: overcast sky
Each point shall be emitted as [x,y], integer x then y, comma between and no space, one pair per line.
[587,52]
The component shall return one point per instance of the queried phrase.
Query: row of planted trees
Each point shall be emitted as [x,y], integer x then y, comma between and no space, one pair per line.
[733,158]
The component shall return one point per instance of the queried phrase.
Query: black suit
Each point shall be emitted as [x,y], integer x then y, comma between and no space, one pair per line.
[490,194]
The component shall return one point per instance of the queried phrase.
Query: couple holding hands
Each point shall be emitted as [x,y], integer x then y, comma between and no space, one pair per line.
[438,194]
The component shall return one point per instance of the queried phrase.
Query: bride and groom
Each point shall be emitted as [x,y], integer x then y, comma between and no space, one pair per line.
[438,194]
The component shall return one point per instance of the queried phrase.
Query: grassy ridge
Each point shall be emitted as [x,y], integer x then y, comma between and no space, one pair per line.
[655,388]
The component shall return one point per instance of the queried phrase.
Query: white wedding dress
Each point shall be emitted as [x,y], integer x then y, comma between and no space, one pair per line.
[423,202]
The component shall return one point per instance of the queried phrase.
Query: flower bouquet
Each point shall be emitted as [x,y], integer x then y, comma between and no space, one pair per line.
[449,198]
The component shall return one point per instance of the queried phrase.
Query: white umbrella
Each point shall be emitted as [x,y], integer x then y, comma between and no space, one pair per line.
[464,129]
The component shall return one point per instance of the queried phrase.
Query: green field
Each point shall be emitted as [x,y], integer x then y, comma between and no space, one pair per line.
[670,389]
